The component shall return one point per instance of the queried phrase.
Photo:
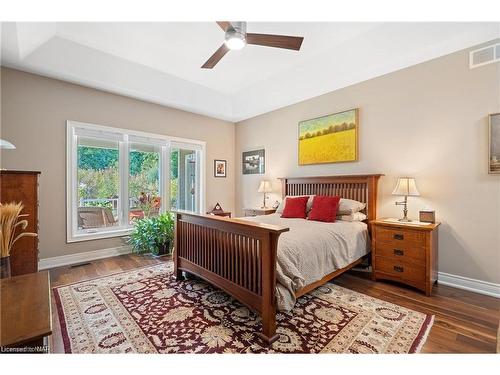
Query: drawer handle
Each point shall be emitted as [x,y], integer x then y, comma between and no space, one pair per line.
[398,269]
[399,252]
[399,236]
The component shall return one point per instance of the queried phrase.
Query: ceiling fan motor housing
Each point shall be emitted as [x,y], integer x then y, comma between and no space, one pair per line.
[236,35]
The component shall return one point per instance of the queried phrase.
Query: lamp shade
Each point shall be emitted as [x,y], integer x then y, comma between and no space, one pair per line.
[265,187]
[406,186]
[6,145]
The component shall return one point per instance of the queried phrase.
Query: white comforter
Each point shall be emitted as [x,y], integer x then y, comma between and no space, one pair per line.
[312,250]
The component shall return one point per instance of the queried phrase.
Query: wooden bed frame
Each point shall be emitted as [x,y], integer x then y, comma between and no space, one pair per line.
[239,256]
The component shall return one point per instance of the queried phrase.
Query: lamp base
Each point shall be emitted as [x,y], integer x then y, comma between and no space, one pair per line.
[405,220]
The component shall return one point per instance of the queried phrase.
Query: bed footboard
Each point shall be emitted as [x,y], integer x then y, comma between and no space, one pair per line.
[235,255]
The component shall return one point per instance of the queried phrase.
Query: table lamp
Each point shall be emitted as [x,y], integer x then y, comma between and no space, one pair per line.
[264,187]
[6,145]
[405,186]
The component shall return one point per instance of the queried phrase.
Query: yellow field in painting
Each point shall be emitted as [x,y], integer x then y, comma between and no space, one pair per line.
[329,148]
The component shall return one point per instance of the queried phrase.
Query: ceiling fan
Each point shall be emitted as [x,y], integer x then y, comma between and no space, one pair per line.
[237,37]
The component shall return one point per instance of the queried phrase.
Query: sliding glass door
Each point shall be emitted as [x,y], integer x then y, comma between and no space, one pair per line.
[185,179]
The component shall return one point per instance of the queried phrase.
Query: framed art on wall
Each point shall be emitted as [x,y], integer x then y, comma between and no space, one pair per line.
[494,146]
[220,168]
[329,139]
[254,162]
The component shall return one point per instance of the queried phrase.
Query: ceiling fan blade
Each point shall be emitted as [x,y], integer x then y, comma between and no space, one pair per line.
[277,41]
[215,58]
[224,25]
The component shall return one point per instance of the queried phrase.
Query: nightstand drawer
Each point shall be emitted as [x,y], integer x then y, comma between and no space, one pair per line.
[401,270]
[396,236]
[258,211]
[401,251]
[250,212]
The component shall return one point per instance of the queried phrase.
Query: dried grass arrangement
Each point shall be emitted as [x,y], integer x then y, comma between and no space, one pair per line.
[12,226]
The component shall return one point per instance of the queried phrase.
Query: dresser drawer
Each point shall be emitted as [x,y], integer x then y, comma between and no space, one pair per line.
[401,250]
[395,236]
[401,270]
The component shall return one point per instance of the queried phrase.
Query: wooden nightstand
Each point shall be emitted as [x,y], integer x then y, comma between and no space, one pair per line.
[258,211]
[406,253]
[220,213]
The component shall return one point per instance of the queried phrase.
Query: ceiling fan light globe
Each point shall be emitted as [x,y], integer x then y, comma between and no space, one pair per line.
[235,40]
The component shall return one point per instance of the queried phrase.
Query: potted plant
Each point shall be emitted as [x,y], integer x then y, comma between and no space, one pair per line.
[11,229]
[153,235]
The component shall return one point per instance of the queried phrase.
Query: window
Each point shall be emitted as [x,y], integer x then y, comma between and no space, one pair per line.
[115,176]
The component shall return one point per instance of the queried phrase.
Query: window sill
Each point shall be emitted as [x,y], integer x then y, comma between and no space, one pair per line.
[98,235]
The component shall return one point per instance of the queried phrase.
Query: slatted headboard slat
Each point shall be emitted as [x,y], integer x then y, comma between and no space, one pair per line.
[362,188]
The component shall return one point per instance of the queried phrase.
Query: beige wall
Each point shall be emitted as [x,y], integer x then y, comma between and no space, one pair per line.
[34,112]
[428,121]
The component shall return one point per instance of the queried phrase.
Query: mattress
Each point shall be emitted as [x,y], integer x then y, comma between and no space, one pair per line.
[312,250]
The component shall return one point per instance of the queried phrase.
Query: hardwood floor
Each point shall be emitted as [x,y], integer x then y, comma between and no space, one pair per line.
[465,322]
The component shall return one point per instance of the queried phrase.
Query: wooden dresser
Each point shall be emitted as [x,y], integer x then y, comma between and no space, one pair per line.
[405,253]
[22,186]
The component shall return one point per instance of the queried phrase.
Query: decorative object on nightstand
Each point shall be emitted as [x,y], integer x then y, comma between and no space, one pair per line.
[406,253]
[218,211]
[427,216]
[405,186]
[258,211]
[264,187]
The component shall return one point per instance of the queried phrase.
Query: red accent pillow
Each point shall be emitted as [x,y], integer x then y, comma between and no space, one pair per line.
[295,208]
[324,208]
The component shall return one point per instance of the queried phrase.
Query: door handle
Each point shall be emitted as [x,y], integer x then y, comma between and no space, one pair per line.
[399,236]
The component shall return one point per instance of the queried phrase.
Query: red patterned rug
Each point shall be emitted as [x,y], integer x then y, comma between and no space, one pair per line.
[147,311]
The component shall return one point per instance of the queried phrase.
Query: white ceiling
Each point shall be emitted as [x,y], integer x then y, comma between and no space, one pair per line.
[160,62]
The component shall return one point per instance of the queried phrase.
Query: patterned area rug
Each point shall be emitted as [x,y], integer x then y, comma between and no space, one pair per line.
[147,311]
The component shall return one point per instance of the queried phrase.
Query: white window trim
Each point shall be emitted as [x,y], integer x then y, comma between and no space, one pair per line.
[72,234]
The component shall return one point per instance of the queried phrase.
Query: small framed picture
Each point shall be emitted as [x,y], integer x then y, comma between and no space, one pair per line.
[220,168]
[254,162]
[494,146]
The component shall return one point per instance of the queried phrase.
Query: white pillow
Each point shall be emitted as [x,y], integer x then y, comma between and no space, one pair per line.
[356,216]
[309,205]
[349,206]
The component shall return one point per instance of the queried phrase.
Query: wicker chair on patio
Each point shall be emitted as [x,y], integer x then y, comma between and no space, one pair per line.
[95,217]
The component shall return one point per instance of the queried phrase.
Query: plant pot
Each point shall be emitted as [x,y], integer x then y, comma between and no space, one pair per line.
[4,267]
[164,249]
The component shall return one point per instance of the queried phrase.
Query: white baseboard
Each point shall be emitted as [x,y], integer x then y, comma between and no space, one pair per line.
[473,285]
[66,260]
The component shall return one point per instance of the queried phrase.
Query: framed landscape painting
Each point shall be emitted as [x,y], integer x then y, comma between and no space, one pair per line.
[254,162]
[329,139]
[494,146]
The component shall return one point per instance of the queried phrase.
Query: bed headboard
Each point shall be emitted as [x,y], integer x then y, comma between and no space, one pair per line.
[362,188]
